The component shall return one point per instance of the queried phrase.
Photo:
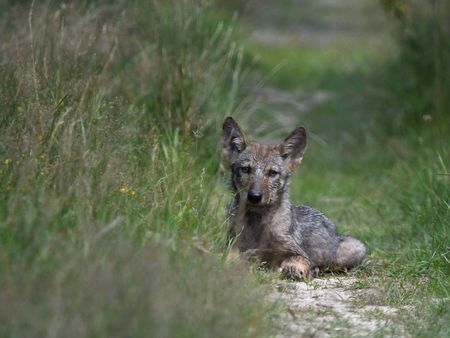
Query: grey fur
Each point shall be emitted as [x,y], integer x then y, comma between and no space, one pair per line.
[297,239]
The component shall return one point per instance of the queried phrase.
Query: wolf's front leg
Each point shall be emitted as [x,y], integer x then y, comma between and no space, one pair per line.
[249,256]
[295,267]
[233,255]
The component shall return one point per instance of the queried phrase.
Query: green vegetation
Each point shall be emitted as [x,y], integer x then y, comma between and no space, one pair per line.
[379,158]
[112,203]
[111,211]
[422,30]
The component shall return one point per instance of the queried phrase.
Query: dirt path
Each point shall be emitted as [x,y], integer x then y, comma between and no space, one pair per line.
[326,306]
[313,22]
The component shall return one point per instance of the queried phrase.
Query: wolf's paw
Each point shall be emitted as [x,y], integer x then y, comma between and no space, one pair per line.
[295,268]
[290,271]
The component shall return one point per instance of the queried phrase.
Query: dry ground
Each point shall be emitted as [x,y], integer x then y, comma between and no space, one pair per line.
[328,306]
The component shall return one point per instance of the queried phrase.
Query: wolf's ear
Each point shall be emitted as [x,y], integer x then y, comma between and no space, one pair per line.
[233,139]
[293,148]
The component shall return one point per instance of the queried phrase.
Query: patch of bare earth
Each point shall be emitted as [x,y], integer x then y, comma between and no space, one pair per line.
[324,307]
[286,110]
[327,306]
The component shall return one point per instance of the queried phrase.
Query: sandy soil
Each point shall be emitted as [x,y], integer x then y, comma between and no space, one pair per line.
[328,307]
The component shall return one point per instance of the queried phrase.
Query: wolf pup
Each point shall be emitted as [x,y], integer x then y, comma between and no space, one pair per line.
[297,239]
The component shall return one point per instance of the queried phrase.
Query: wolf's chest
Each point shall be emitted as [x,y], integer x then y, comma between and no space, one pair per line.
[249,235]
[262,237]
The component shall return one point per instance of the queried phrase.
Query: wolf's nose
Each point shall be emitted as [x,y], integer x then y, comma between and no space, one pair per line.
[254,196]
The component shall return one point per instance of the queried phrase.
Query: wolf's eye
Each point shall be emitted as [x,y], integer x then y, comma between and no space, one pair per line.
[273,173]
[244,170]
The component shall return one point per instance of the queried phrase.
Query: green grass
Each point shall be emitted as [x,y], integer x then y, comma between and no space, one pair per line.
[112,204]
[380,177]
[112,213]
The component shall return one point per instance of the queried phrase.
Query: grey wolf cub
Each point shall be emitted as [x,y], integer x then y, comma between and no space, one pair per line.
[297,239]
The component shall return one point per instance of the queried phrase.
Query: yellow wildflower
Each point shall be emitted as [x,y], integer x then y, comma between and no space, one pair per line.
[123,189]
[132,193]
[8,161]
[403,8]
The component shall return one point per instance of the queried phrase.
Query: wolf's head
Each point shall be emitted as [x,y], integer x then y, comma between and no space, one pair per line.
[260,172]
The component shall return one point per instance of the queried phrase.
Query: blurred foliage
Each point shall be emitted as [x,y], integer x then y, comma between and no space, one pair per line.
[112,218]
[422,29]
